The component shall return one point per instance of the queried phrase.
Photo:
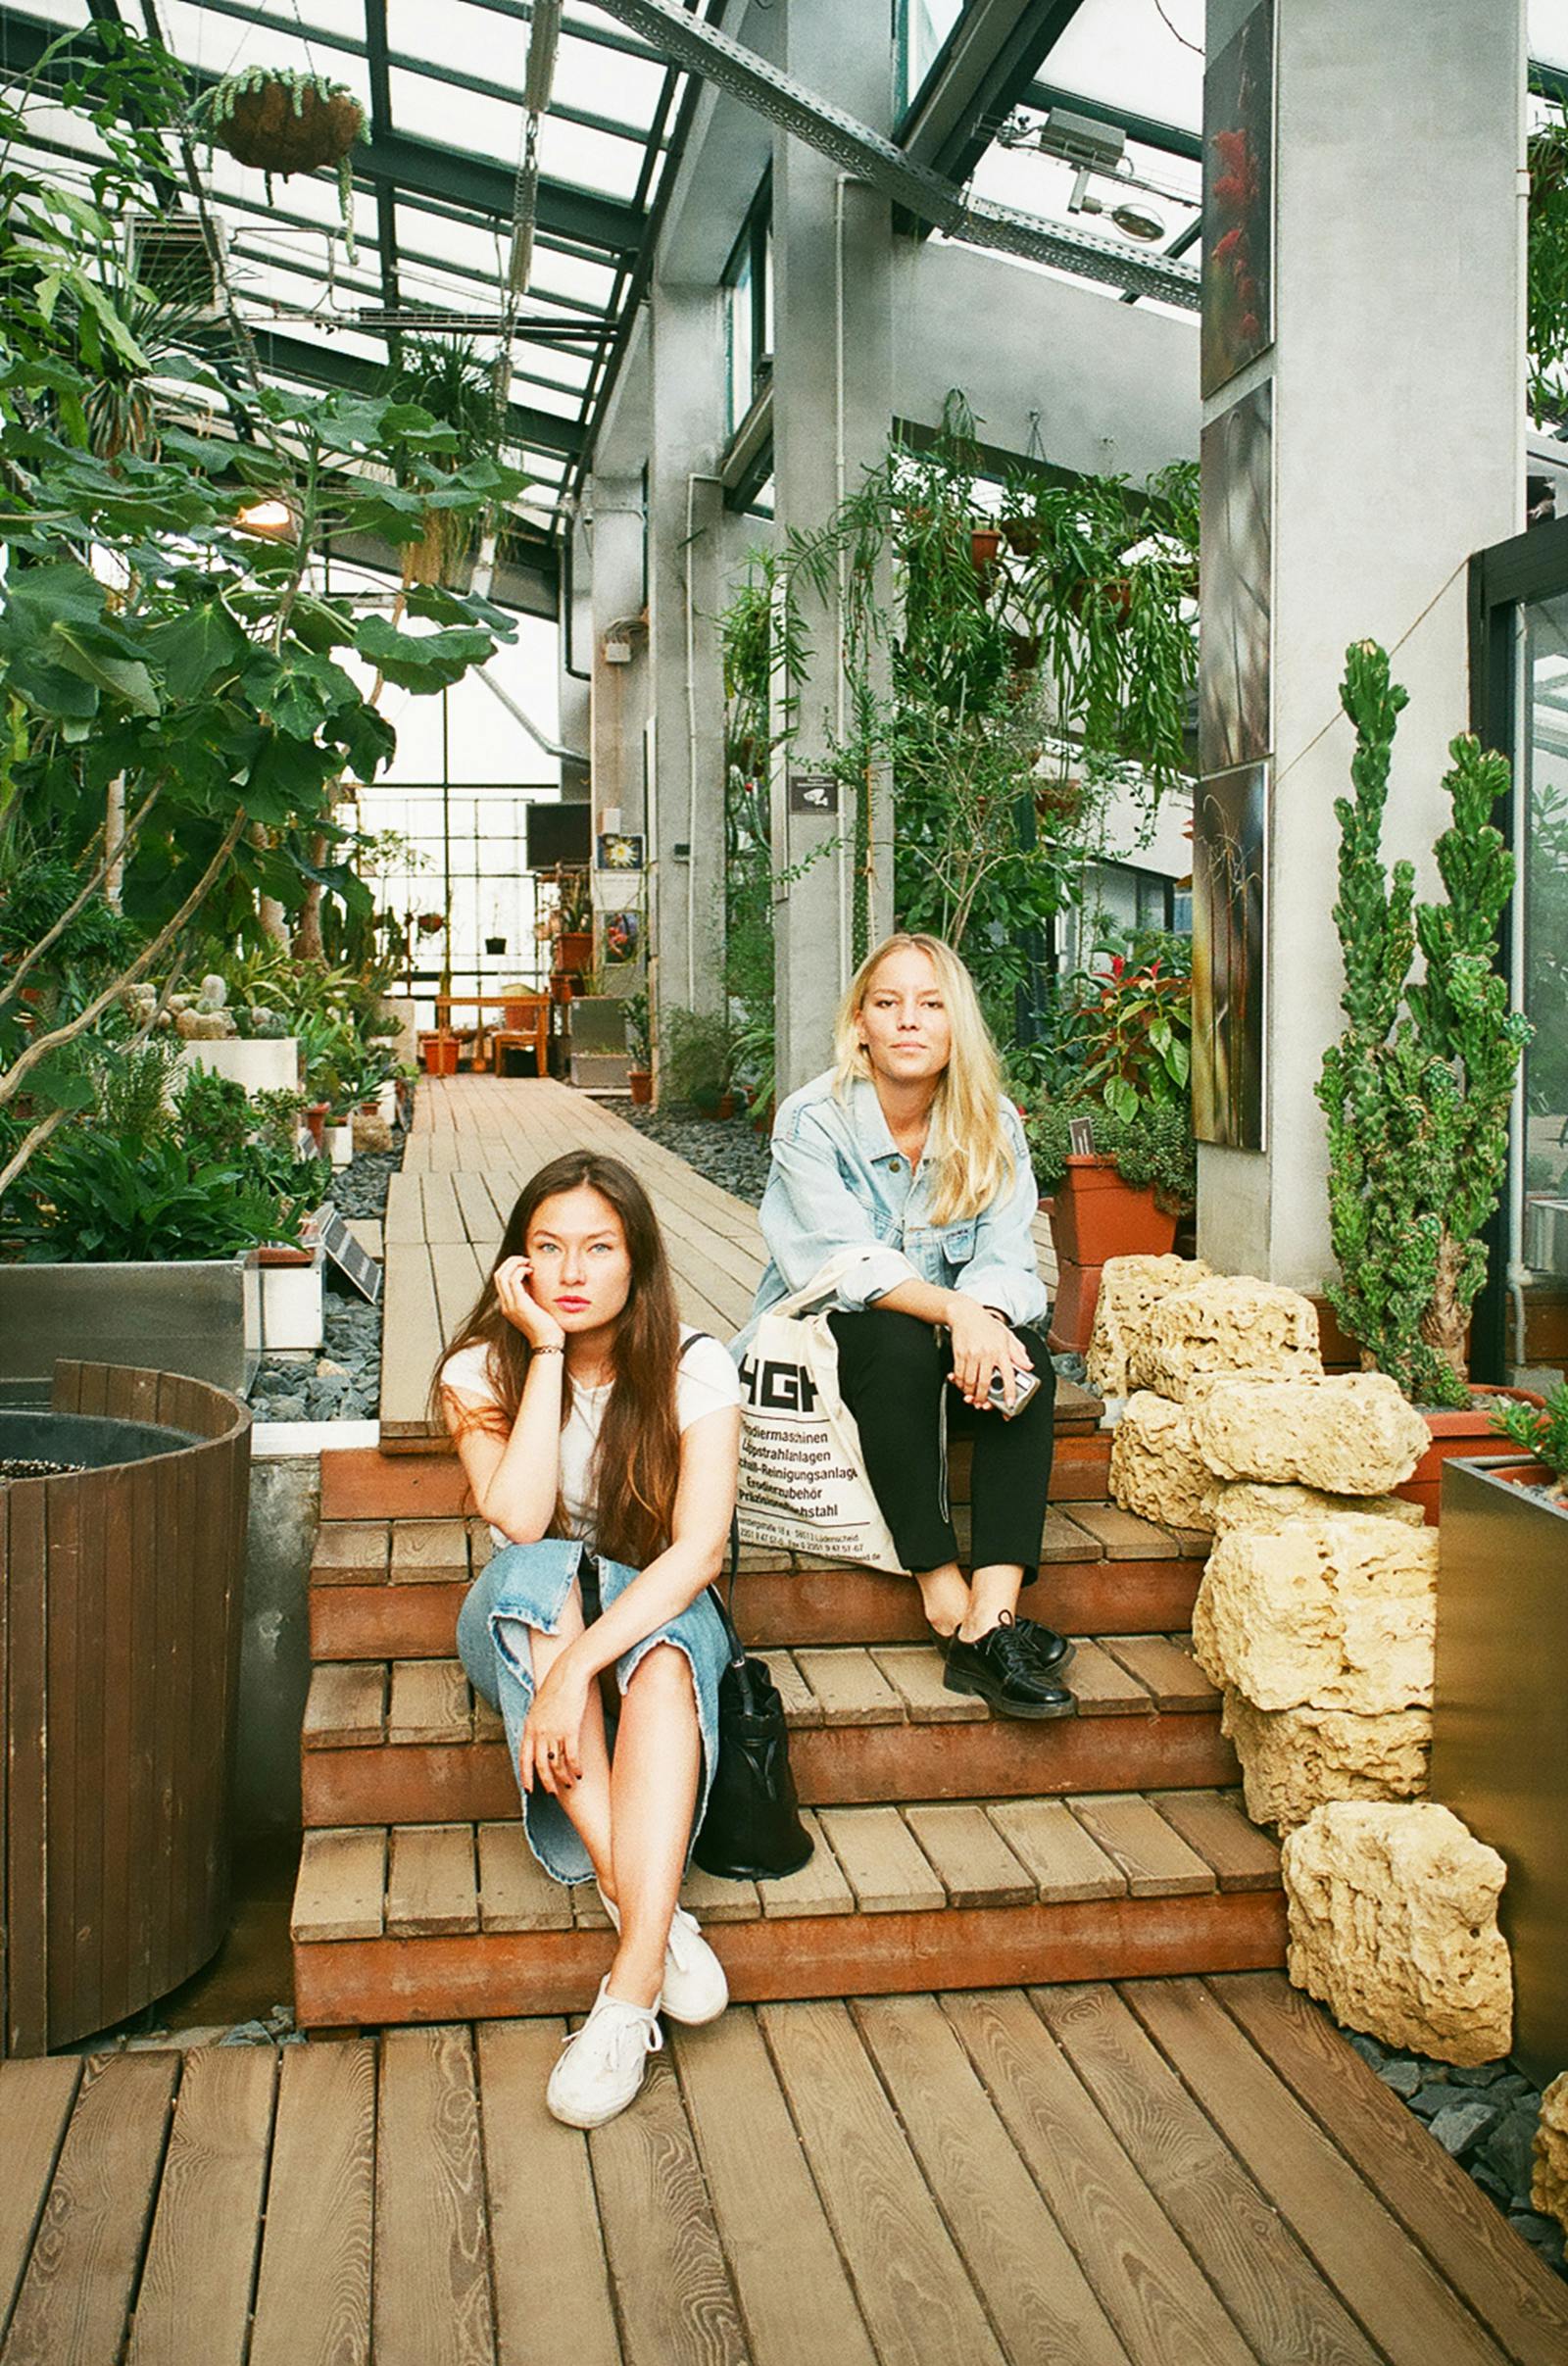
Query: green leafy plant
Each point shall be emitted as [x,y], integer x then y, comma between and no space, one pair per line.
[1128,1031]
[639,1036]
[1417,1088]
[1546,298]
[697,1056]
[1152,1146]
[1540,1430]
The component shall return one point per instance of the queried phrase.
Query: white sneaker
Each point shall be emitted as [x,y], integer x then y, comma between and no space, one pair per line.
[695,1987]
[600,2069]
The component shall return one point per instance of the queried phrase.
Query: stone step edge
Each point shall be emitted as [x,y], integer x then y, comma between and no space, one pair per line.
[493,1975]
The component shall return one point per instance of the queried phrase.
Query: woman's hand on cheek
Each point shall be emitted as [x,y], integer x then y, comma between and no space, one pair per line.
[551,1750]
[515,1299]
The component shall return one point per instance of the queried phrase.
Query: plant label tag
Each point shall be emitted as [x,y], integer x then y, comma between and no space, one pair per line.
[1081,1134]
[345,1254]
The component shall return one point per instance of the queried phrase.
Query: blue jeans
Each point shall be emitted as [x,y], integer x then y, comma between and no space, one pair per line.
[529,1585]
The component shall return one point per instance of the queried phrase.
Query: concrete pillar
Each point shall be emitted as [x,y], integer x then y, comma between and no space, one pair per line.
[614,537]
[1394,383]
[832,410]
[685,590]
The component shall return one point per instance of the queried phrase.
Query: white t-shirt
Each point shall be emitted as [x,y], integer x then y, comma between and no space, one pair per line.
[706,1381]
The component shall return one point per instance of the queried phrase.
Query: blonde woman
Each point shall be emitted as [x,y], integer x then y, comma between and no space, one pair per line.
[907,1149]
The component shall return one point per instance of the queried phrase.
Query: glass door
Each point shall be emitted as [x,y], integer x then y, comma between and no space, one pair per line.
[1540,1242]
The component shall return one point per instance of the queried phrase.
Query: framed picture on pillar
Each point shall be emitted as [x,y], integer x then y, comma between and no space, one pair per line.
[1238,318]
[1235,719]
[1230,890]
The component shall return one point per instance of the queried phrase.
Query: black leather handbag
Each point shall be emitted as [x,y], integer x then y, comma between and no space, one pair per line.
[751,1830]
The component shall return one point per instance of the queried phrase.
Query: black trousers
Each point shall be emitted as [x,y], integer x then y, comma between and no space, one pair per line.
[893,1372]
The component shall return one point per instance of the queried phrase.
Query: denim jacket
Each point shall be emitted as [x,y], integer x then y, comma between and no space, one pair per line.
[839,1180]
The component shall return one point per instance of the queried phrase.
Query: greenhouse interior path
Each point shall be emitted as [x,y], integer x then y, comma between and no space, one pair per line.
[474,1142]
[1155,2173]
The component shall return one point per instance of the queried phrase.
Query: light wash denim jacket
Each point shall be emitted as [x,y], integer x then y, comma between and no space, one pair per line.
[839,1180]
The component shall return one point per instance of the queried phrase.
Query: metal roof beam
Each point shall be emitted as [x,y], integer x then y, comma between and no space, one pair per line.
[984,68]
[323,363]
[702,50]
[386,218]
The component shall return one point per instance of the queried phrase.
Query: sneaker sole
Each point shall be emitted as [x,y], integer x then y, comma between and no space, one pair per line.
[695,2020]
[596,2119]
[1036,1712]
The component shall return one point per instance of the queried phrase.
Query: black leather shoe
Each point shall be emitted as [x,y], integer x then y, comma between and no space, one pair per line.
[1003,1669]
[1050,1649]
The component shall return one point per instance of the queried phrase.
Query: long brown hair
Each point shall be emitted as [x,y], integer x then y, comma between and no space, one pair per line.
[636,1466]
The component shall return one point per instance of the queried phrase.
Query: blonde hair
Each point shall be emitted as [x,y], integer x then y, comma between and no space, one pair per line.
[967,1145]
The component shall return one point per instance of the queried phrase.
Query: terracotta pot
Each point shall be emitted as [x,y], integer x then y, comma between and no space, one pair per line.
[641,1081]
[574,949]
[1459,1431]
[1022,537]
[440,1054]
[984,544]
[1096,1214]
[316,1120]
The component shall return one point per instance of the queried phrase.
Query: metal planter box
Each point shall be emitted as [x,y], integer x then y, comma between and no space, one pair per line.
[1497,1755]
[200,1319]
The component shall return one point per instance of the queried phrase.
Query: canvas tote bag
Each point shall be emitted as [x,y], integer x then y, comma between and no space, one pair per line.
[802,1483]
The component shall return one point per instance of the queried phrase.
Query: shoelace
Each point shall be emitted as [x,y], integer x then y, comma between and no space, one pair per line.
[624,2025]
[1014,1645]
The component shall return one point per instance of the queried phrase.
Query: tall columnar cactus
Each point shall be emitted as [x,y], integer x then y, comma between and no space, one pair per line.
[1417,1088]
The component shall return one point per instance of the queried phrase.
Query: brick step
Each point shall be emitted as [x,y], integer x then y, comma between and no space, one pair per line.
[392,1589]
[406,1741]
[454,1921]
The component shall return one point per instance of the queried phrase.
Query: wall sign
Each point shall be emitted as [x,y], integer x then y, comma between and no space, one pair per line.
[813,793]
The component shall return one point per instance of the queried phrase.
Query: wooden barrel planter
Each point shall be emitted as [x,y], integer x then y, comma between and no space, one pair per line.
[121,1592]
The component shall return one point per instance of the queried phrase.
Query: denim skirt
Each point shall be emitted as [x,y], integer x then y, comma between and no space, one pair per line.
[527,1586]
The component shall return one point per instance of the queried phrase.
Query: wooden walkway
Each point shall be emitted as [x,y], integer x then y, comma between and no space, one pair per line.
[1171,2173]
[474,1142]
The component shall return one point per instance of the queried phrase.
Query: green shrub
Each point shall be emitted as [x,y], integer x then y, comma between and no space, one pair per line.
[1154,1146]
[1540,1429]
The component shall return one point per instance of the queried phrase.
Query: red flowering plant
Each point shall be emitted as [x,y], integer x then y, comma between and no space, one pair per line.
[1130,1029]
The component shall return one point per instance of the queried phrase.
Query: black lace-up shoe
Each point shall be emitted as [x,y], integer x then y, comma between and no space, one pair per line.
[1003,1668]
[1050,1649]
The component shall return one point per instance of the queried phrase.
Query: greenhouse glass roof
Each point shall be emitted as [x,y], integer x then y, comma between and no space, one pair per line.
[446,179]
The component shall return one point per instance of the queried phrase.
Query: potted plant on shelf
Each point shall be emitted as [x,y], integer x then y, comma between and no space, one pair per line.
[639,1048]
[571,923]
[1417,1090]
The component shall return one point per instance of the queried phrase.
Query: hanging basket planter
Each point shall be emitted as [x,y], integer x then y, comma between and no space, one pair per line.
[282,122]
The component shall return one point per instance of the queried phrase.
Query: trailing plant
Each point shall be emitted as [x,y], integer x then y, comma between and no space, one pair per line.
[1542,1430]
[1153,1145]
[283,119]
[1417,1088]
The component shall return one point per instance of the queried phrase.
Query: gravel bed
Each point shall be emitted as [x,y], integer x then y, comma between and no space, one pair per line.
[344,1382]
[728,1151]
[1485,2118]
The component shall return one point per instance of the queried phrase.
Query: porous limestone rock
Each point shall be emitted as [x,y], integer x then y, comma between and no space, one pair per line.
[1296,1759]
[1229,1323]
[1130,1289]
[1548,2189]
[1322,1613]
[1253,1504]
[1156,1469]
[1352,1434]
[1392,1911]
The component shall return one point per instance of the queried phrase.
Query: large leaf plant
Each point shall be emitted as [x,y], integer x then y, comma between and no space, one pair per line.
[175,711]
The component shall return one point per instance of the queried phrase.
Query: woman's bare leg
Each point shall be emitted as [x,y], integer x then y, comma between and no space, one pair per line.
[653,1791]
[993,1590]
[587,1801]
[946,1596]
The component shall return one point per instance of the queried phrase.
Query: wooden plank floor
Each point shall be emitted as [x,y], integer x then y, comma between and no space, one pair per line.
[474,1143]
[1152,2173]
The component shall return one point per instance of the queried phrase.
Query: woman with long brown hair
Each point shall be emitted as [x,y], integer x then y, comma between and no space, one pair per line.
[600,1437]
